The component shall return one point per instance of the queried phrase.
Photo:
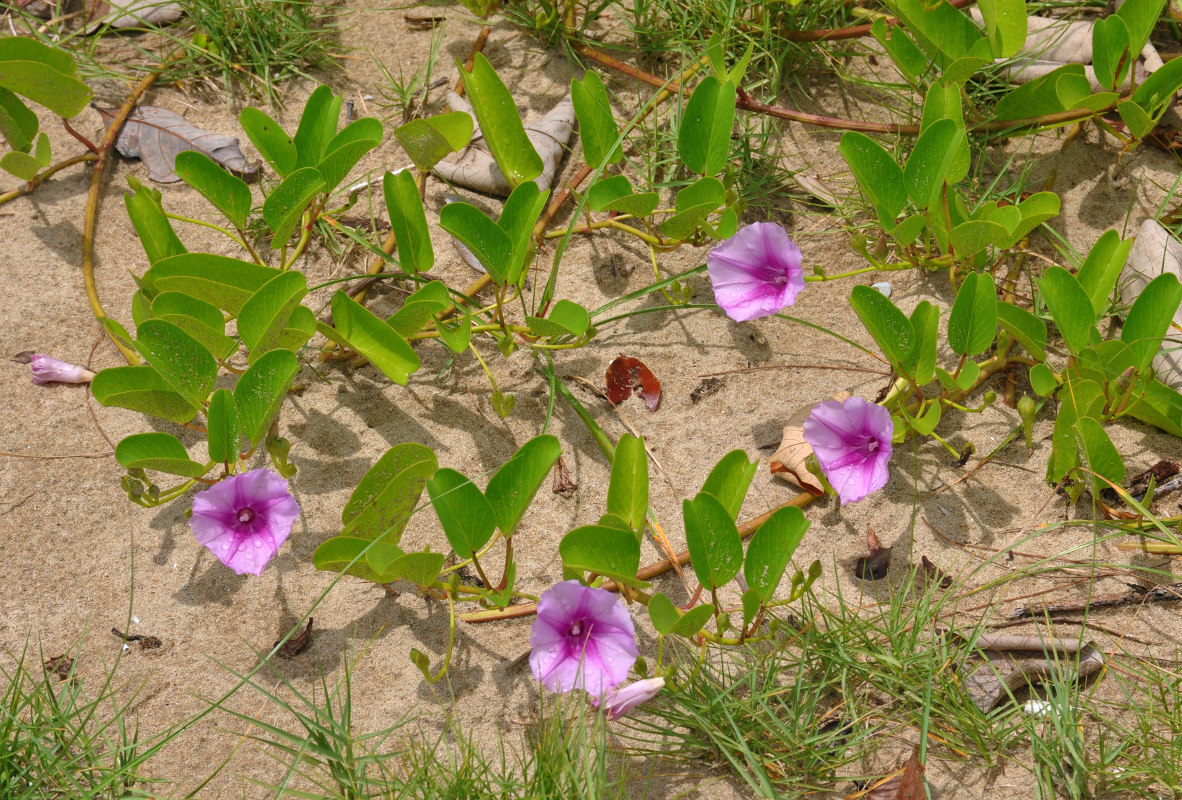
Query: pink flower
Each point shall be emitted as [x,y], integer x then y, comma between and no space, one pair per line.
[852,442]
[47,369]
[756,272]
[583,638]
[244,519]
[618,702]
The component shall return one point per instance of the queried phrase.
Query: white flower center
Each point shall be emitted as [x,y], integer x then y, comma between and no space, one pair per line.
[576,629]
[246,515]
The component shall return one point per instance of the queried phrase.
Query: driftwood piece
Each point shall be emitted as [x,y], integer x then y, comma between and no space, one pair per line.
[1013,661]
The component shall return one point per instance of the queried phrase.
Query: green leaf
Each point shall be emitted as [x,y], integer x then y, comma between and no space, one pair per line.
[26,166]
[162,452]
[1102,267]
[1005,26]
[1070,307]
[224,435]
[43,74]
[384,499]
[418,568]
[567,318]
[318,124]
[500,123]
[1156,93]
[220,280]
[730,479]
[464,512]
[337,553]
[408,221]
[513,486]
[517,220]
[270,140]
[428,141]
[457,336]
[346,149]
[771,548]
[151,225]
[615,194]
[1150,318]
[1110,50]
[970,238]
[610,552]
[1138,120]
[180,359]
[597,127]
[925,323]
[260,391]
[488,241]
[668,619]
[228,193]
[936,159]
[878,174]
[1045,95]
[300,328]
[907,57]
[1139,17]
[374,339]
[1102,456]
[627,491]
[751,606]
[419,308]
[886,323]
[704,138]
[943,32]
[264,316]
[1042,380]
[288,201]
[972,323]
[1026,329]
[693,204]
[713,540]
[18,123]
[142,389]
[197,318]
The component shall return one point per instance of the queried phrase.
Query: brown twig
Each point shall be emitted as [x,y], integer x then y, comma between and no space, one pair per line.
[853,32]
[1136,595]
[477,46]
[795,366]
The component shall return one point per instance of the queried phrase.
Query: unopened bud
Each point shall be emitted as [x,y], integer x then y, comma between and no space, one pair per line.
[1027,410]
[990,398]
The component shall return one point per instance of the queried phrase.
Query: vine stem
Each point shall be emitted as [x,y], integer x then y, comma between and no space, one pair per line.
[90,221]
[647,573]
[855,32]
[45,175]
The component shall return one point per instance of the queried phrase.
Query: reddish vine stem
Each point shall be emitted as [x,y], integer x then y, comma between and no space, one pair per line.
[854,32]
[647,573]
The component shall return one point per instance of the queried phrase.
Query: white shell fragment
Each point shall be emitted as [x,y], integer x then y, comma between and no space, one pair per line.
[884,287]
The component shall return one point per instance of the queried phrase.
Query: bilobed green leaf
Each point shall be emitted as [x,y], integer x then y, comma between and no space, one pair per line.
[464,512]
[288,201]
[223,281]
[26,166]
[925,323]
[567,318]
[935,160]
[669,620]
[346,149]
[1139,17]
[318,124]
[1033,211]
[374,339]
[1101,269]
[142,389]
[1005,26]
[713,540]
[517,220]
[180,359]
[162,452]
[408,221]
[420,308]
[260,391]
[1157,91]
[1026,329]
[500,123]
[627,491]
[301,327]
[428,141]
[972,323]
[513,486]
[224,435]
[151,225]
[228,193]
[18,123]
[771,548]
[704,138]
[879,176]
[693,204]
[610,552]
[456,336]
[264,316]
[730,479]
[1110,50]
[1042,380]
[419,568]
[1136,118]
[907,57]
[1070,307]
[1150,318]
[488,242]
[46,75]
[943,32]
[201,320]
[1040,96]
[597,127]
[1102,456]
[971,237]
[382,503]
[336,555]
[270,140]
[615,194]
[888,326]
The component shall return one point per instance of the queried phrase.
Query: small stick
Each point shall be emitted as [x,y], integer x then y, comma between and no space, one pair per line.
[1136,595]
[794,366]
[477,47]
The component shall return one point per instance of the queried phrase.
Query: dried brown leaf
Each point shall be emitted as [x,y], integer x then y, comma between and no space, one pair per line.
[707,387]
[627,375]
[156,135]
[563,483]
[296,644]
[59,666]
[789,460]
[906,784]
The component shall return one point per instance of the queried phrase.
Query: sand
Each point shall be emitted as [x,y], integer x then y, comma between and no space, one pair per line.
[79,558]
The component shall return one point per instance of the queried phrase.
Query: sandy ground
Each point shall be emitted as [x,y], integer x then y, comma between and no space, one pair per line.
[75,549]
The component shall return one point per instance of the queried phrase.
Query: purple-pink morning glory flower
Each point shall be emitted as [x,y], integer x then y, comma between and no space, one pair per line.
[583,638]
[47,369]
[852,442]
[756,272]
[244,518]
[618,702]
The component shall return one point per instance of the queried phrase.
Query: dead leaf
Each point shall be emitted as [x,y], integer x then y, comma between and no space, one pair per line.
[823,189]
[475,167]
[423,23]
[789,460]
[1012,661]
[144,640]
[24,356]
[907,784]
[934,573]
[60,666]
[156,135]
[627,375]
[707,387]
[113,14]
[875,566]
[563,483]
[296,644]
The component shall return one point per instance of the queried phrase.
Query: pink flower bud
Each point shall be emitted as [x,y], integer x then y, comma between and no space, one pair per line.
[618,702]
[49,370]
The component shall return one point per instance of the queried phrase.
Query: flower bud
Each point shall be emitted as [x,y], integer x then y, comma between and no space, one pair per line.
[1027,410]
[49,370]
[990,398]
[618,702]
